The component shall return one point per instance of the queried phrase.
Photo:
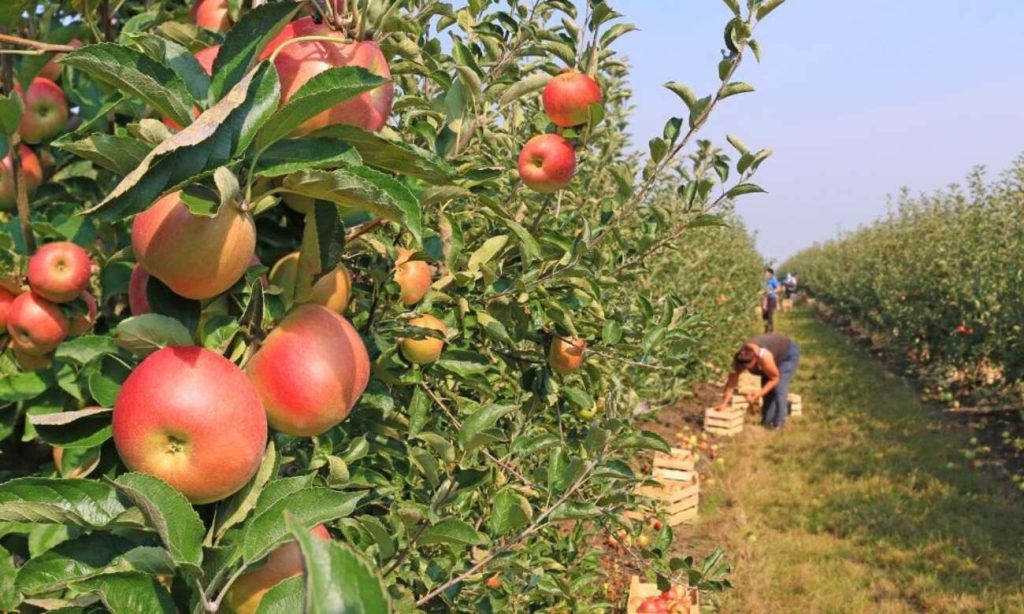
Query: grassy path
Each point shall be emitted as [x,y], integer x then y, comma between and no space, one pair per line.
[863,504]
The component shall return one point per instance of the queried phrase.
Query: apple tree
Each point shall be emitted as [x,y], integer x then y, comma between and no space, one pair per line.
[346,306]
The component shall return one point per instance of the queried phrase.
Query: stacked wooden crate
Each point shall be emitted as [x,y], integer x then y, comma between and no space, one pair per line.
[796,404]
[639,591]
[677,487]
[725,422]
[787,304]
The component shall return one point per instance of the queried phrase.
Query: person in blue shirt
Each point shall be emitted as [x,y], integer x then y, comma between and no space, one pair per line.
[771,299]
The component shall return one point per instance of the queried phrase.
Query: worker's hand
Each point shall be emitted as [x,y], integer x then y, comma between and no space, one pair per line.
[753,397]
[720,407]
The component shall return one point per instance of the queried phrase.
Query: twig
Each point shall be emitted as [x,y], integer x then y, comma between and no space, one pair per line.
[26,42]
[365,228]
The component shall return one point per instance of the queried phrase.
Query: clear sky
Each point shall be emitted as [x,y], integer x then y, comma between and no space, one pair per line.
[856,98]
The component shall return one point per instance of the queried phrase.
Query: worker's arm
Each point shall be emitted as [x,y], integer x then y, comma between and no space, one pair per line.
[770,370]
[730,385]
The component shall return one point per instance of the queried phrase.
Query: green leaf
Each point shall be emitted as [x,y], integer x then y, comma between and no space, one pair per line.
[323,240]
[336,578]
[737,144]
[293,155]
[486,252]
[611,332]
[129,593]
[687,95]
[83,503]
[363,189]
[481,420]
[218,332]
[85,349]
[529,248]
[119,154]
[767,8]
[224,131]
[646,440]
[11,10]
[84,428]
[25,386]
[576,510]
[9,597]
[464,363]
[170,513]
[11,110]
[391,155]
[176,57]
[286,597]
[453,532]
[563,471]
[309,507]
[331,87]
[524,87]
[734,6]
[245,41]
[510,512]
[743,188]
[143,335]
[137,75]
[71,561]
[578,397]
[736,87]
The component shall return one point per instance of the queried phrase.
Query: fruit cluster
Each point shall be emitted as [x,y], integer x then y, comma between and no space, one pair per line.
[673,601]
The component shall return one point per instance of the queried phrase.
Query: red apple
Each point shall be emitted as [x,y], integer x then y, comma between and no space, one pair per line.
[35,324]
[297,63]
[310,371]
[80,325]
[59,272]
[46,111]
[567,98]
[30,170]
[197,257]
[52,70]
[427,350]
[494,582]
[565,356]
[547,163]
[191,418]
[6,298]
[138,302]
[211,14]
[88,464]
[284,562]
[413,277]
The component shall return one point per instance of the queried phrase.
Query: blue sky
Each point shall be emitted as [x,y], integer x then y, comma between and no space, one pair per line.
[856,98]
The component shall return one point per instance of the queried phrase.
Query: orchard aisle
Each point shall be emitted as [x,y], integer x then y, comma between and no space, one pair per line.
[864,503]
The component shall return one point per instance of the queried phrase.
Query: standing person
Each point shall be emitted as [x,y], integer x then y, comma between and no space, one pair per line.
[770,303]
[789,284]
[775,358]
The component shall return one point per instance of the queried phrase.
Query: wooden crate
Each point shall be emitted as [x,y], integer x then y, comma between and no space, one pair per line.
[679,498]
[748,383]
[796,404]
[728,422]
[677,465]
[638,591]
[787,304]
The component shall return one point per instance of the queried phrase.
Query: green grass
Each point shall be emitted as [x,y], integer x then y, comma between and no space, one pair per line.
[864,503]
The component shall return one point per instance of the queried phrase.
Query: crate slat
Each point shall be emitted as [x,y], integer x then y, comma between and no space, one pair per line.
[677,458]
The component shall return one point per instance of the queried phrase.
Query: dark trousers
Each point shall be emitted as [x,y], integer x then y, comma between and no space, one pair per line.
[770,305]
[775,403]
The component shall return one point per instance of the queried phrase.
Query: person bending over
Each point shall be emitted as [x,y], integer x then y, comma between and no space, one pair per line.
[775,358]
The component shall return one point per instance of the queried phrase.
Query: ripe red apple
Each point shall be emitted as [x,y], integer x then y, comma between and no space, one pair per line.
[427,350]
[138,302]
[80,325]
[191,418]
[35,324]
[299,62]
[494,582]
[197,257]
[413,276]
[333,290]
[6,298]
[284,562]
[31,170]
[211,14]
[52,70]
[59,271]
[310,371]
[567,98]
[565,356]
[547,163]
[206,58]
[46,111]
